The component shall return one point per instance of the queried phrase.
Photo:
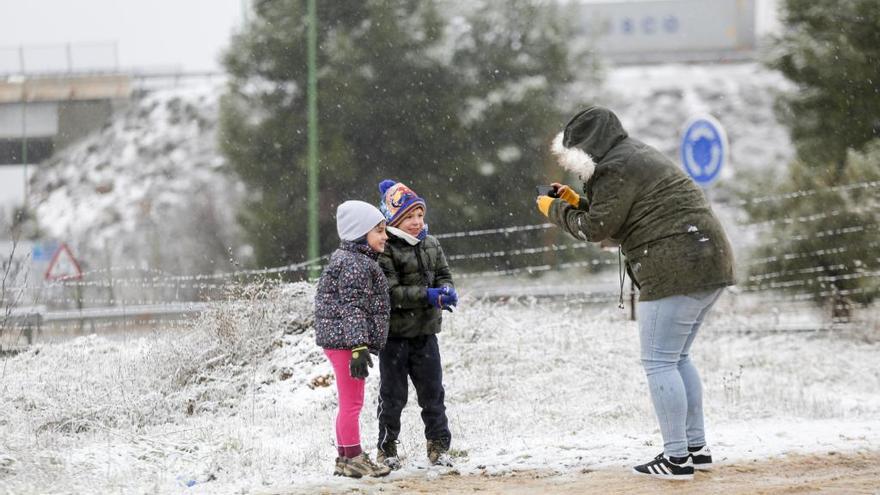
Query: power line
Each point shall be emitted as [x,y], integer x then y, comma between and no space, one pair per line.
[808,192]
[503,230]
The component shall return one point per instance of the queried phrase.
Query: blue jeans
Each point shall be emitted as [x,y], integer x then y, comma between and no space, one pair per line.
[667,328]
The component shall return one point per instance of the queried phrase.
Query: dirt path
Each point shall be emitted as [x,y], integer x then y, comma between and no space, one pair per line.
[851,473]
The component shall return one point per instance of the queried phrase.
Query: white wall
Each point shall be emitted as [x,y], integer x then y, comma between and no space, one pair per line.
[767,18]
[41,119]
[12,185]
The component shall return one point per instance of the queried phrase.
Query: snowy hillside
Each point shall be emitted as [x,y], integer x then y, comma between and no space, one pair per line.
[155,172]
[152,174]
[655,102]
[244,401]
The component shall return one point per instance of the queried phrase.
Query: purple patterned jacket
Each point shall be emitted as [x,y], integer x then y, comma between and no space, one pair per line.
[352,305]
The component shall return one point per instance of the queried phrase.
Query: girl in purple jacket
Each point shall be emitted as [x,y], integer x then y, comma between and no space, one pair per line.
[351,321]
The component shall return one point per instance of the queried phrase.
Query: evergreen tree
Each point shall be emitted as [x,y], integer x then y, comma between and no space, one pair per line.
[367,59]
[461,115]
[831,51]
[517,59]
[824,224]
[822,233]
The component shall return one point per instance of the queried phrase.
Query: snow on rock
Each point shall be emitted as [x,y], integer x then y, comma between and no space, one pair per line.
[245,401]
[655,102]
[152,174]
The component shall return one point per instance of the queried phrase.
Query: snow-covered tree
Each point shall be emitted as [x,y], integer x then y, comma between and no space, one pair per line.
[825,221]
[458,105]
[831,51]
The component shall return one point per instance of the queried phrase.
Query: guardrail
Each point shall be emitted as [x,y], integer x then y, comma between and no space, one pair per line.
[30,321]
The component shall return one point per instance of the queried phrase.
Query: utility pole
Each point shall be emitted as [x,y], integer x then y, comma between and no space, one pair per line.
[313,136]
[24,141]
[24,134]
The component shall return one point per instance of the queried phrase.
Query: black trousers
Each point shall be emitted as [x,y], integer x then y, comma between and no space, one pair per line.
[419,359]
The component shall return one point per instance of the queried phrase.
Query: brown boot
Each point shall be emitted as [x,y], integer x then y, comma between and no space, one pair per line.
[438,453]
[362,465]
[339,469]
[387,455]
[344,469]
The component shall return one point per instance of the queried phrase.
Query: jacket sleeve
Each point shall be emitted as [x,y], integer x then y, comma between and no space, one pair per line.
[353,301]
[442,273]
[402,296]
[605,212]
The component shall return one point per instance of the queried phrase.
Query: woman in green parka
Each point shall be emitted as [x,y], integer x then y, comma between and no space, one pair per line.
[676,253]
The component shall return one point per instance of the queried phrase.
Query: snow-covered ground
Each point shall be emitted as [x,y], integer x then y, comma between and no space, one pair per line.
[244,401]
[153,173]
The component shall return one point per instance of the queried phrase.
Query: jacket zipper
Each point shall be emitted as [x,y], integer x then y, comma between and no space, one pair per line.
[421,264]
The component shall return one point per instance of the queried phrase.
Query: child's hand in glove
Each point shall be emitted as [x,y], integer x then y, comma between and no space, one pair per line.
[442,297]
[360,361]
[450,301]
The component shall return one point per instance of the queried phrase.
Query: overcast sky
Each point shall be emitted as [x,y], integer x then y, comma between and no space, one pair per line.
[148,34]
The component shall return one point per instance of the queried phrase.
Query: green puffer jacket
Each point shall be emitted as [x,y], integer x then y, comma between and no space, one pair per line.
[672,241]
[410,270]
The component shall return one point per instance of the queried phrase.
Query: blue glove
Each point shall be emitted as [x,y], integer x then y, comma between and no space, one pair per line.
[442,297]
[435,296]
[450,299]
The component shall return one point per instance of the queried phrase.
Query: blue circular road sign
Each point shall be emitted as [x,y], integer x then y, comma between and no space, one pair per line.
[703,149]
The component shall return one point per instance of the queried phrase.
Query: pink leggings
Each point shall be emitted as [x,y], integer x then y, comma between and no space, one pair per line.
[351,399]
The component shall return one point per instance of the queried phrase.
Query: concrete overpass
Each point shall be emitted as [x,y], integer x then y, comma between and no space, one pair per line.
[41,114]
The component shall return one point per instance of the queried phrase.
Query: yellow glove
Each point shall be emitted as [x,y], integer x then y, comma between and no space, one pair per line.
[544,203]
[568,195]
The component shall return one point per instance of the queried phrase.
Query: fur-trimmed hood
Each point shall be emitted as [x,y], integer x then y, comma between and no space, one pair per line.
[587,138]
[575,160]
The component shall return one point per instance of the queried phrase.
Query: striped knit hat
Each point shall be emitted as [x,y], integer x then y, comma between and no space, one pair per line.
[397,201]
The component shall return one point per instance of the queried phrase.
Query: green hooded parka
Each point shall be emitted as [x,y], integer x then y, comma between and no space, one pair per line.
[635,196]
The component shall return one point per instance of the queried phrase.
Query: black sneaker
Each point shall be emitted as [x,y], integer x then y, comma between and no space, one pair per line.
[662,467]
[701,456]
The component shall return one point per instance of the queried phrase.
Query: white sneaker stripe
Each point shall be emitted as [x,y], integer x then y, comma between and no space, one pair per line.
[663,468]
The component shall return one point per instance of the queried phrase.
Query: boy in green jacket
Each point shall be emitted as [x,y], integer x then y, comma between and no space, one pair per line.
[421,286]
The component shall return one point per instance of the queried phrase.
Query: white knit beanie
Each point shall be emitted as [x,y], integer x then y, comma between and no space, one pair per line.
[355,218]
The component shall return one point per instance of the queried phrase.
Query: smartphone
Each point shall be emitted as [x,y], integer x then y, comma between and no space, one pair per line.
[547,191]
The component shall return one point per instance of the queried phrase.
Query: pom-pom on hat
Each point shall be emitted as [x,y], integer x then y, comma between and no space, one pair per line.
[354,219]
[397,200]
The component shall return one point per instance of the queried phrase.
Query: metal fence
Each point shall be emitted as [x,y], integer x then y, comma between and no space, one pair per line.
[59,58]
[122,296]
